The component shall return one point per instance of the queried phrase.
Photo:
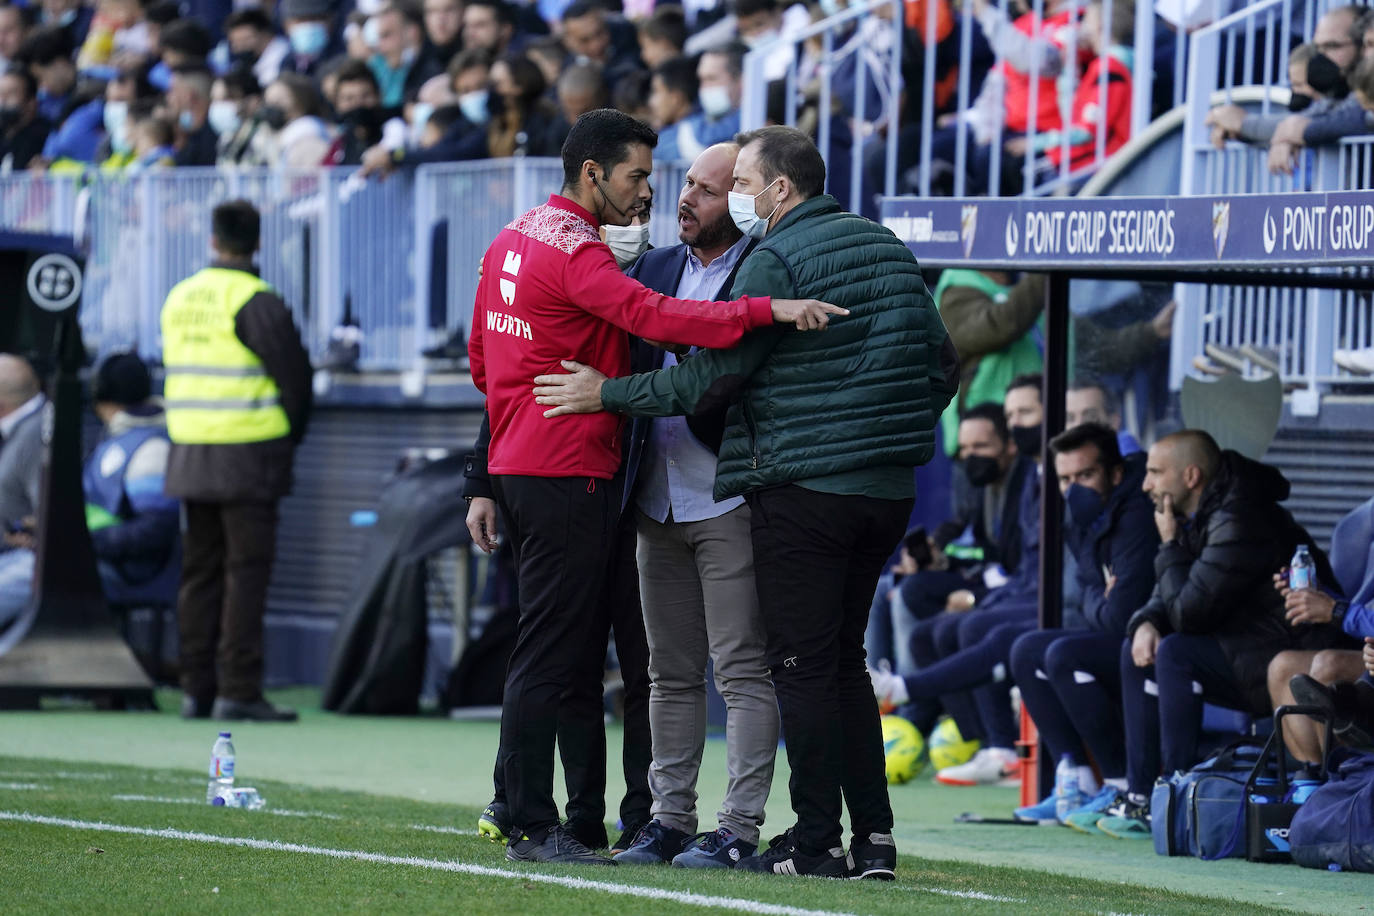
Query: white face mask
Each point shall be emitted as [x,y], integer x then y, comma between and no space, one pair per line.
[224,117]
[627,243]
[474,106]
[715,101]
[760,39]
[116,118]
[744,211]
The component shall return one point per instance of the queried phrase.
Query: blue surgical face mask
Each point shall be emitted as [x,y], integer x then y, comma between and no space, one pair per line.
[1085,504]
[186,121]
[308,39]
[474,105]
[744,212]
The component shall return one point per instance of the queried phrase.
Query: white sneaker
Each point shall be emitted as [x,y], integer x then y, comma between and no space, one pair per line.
[888,687]
[1360,362]
[992,766]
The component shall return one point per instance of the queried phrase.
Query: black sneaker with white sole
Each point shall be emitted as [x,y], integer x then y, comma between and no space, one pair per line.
[874,857]
[785,856]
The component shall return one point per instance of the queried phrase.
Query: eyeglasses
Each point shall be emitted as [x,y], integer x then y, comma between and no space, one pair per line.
[1327,46]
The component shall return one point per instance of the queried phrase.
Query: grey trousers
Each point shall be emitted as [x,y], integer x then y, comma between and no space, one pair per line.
[697,584]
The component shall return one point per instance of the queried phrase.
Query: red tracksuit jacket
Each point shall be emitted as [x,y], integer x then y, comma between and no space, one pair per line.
[551,291]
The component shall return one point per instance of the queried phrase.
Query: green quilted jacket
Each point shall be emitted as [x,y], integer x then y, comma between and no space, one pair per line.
[866,392]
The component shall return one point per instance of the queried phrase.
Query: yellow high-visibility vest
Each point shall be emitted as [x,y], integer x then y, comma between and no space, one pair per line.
[217,391]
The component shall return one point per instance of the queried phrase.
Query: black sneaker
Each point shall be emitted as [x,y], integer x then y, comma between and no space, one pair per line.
[494,823]
[718,849]
[874,857]
[259,710]
[591,834]
[655,844]
[627,838]
[1342,703]
[558,847]
[785,857]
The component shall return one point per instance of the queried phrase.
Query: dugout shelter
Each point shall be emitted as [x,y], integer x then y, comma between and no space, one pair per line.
[1303,241]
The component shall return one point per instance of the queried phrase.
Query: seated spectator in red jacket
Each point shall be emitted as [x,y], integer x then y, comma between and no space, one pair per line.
[1098,108]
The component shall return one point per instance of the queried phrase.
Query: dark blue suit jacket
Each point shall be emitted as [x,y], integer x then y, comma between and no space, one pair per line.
[661,269]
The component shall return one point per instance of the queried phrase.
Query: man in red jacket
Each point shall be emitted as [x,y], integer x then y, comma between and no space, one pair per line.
[551,290]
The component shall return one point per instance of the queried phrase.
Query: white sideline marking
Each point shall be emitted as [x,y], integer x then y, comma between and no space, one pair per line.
[969,895]
[432,829]
[56,774]
[626,890]
[21,785]
[287,812]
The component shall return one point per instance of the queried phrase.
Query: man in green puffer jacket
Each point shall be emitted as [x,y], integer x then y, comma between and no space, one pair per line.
[822,435]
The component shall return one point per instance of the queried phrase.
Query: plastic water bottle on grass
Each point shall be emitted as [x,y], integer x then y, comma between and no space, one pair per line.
[240,797]
[221,769]
[1065,787]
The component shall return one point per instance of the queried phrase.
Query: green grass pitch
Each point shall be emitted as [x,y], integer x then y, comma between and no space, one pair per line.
[104,812]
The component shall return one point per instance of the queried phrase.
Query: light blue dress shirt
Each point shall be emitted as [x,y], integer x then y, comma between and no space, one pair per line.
[679,472]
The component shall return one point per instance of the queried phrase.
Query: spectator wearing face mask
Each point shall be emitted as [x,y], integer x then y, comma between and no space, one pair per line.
[1338,38]
[236,116]
[719,78]
[309,26]
[22,129]
[250,40]
[357,102]
[294,109]
[453,139]
[760,23]
[1233,122]
[89,133]
[972,651]
[520,115]
[189,102]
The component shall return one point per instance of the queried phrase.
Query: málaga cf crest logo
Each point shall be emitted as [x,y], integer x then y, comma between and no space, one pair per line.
[1221,224]
[968,225]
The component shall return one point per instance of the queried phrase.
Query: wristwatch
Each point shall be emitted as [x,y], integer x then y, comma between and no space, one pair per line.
[1338,612]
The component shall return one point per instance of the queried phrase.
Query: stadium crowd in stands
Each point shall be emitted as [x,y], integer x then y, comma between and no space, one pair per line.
[126,85]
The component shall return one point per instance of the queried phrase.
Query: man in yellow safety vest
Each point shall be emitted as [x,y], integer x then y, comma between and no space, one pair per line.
[238,396]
